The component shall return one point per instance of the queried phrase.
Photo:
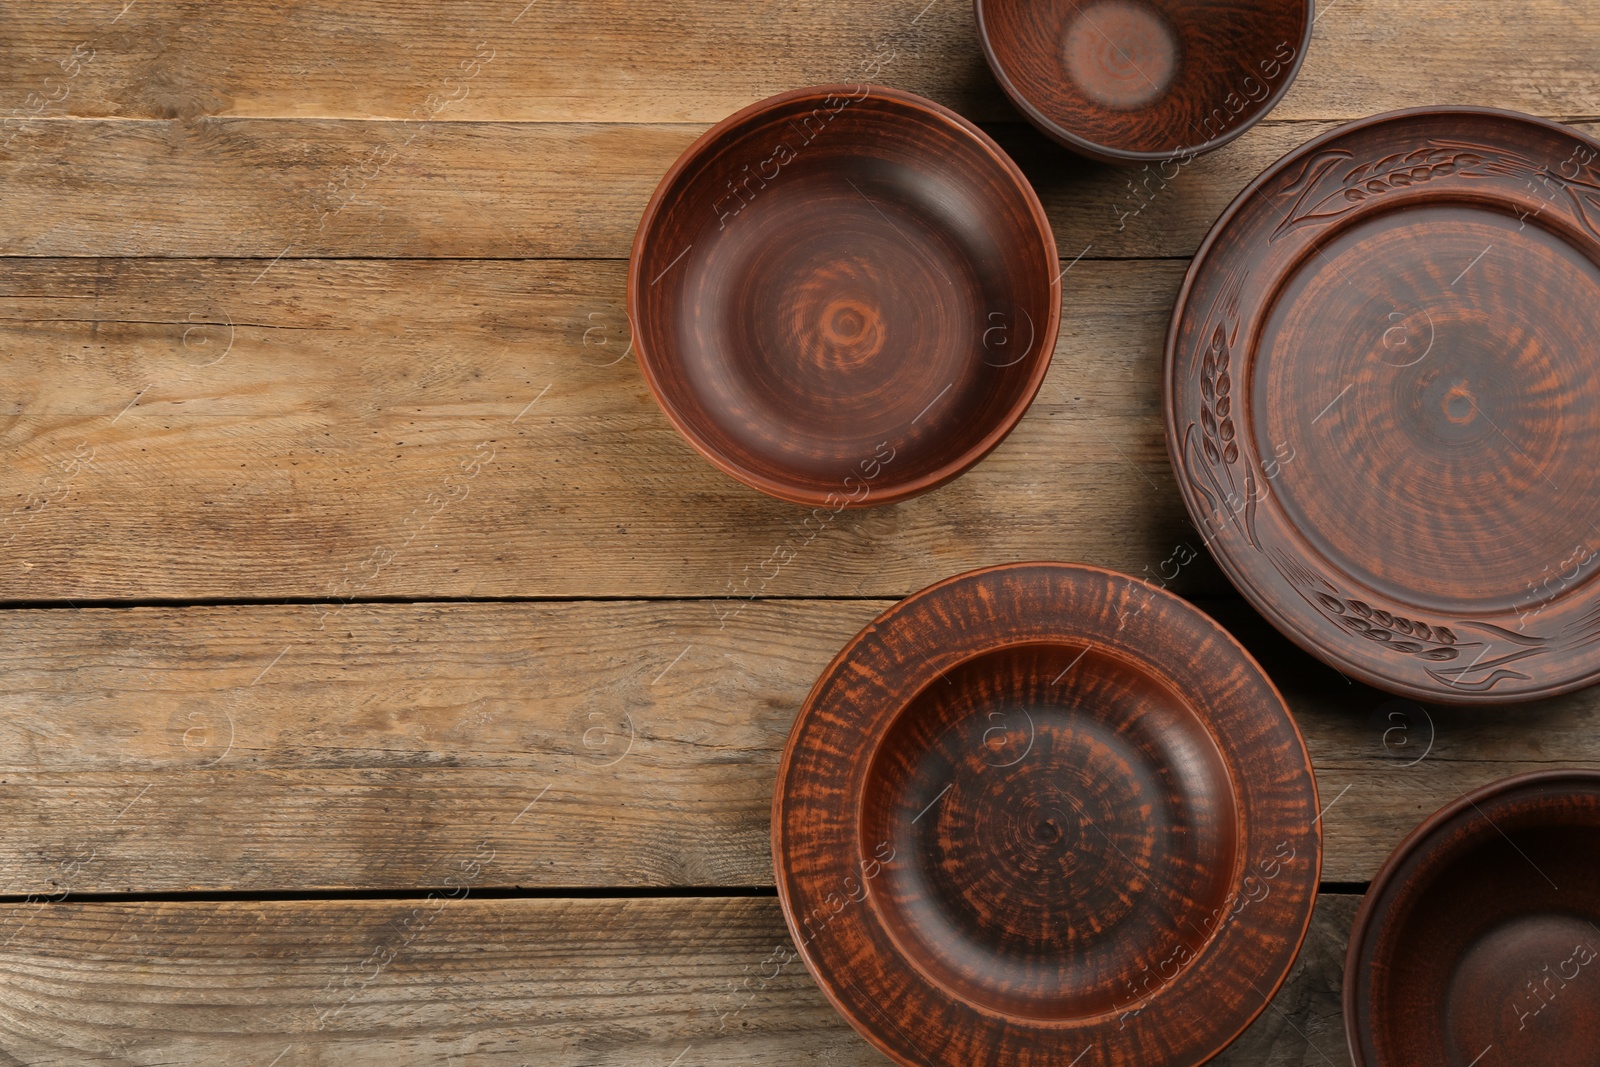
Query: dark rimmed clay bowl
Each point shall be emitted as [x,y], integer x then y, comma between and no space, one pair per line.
[844,295]
[1130,81]
[1046,814]
[1478,944]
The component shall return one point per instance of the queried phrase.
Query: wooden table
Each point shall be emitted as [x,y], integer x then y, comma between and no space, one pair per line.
[383,680]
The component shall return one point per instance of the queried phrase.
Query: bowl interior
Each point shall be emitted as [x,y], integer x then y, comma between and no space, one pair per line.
[1064,829]
[1152,76]
[1494,946]
[841,292]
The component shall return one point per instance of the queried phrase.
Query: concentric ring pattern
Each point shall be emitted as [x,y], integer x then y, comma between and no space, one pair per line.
[1054,815]
[1383,401]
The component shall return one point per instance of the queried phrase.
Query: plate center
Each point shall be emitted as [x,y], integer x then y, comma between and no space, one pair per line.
[1445,404]
[1063,828]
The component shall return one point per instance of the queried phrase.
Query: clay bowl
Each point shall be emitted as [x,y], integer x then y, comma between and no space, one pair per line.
[1046,814]
[844,295]
[1131,81]
[1382,401]
[1479,942]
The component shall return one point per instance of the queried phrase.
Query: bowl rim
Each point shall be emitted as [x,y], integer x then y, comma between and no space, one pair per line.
[1111,154]
[1415,843]
[1282,621]
[930,111]
[1160,594]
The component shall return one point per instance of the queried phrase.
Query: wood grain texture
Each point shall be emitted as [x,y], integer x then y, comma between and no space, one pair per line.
[238,428]
[636,746]
[403,735]
[264,188]
[611,61]
[330,451]
[501,983]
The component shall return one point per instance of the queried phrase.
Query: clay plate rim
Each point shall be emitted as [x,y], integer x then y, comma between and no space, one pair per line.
[843,656]
[936,112]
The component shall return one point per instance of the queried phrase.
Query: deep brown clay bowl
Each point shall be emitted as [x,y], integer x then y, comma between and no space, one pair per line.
[844,295]
[1479,943]
[1383,401]
[1046,814]
[1131,81]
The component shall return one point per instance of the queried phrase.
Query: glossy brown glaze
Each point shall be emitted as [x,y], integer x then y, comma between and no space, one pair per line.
[1479,942]
[1045,814]
[1383,401]
[844,295]
[1131,81]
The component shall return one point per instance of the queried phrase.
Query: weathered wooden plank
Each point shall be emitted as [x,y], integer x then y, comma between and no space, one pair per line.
[1303,1025]
[364,429]
[265,188]
[591,744]
[497,983]
[695,62]
[244,187]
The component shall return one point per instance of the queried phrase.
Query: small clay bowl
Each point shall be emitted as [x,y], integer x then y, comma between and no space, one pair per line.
[1043,808]
[1479,942]
[1134,81]
[844,295]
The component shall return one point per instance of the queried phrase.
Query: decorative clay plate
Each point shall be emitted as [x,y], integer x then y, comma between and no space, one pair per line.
[1383,401]
[1046,815]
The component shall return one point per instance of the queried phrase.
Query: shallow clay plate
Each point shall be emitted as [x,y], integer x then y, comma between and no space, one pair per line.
[1045,814]
[844,295]
[1383,401]
[1479,942]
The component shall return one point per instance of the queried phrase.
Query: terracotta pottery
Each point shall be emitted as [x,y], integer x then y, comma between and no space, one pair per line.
[1383,401]
[1130,81]
[844,295]
[1048,815]
[1479,942]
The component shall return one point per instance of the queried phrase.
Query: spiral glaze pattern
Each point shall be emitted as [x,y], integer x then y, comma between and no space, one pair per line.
[844,296]
[1043,808]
